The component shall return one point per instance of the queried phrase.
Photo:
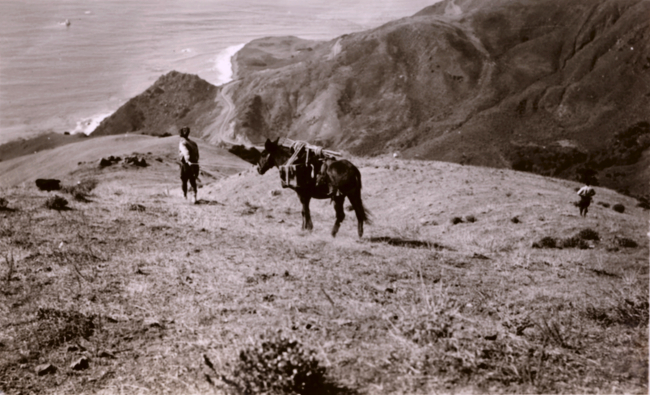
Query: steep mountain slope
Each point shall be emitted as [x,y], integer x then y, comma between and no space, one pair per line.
[471,82]
[545,86]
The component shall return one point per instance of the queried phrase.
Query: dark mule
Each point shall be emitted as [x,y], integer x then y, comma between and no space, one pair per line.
[341,177]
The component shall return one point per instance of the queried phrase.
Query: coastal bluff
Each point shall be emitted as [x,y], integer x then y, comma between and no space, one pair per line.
[551,87]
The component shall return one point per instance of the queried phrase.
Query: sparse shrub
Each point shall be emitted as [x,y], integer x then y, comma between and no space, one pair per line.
[137,207]
[644,203]
[606,205]
[515,220]
[55,327]
[631,311]
[470,218]
[87,185]
[588,234]
[619,208]
[558,332]
[546,242]
[56,202]
[81,190]
[430,330]
[456,220]
[3,203]
[279,366]
[625,242]
[11,264]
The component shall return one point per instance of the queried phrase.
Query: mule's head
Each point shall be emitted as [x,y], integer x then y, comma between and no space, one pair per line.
[268,157]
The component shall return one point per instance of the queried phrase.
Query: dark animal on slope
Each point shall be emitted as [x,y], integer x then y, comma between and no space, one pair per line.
[48,184]
[342,178]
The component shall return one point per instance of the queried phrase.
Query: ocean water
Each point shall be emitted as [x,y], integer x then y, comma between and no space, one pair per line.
[58,77]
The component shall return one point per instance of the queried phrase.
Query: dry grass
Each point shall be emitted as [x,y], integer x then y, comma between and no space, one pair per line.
[147,286]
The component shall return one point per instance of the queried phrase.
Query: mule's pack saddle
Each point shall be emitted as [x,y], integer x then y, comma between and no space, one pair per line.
[297,173]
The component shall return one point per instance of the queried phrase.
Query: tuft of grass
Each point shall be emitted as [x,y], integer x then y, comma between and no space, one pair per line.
[559,332]
[57,202]
[604,204]
[470,218]
[11,264]
[619,208]
[629,310]
[515,220]
[456,220]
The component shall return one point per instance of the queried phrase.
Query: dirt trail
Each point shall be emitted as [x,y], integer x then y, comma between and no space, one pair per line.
[221,129]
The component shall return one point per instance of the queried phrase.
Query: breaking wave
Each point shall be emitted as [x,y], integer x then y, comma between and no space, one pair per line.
[223,63]
[88,125]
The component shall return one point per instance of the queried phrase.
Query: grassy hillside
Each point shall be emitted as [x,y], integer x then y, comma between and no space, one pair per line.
[14,149]
[445,293]
[74,161]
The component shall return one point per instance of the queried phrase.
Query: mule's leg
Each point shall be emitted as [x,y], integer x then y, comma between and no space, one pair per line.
[306,215]
[357,205]
[340,213]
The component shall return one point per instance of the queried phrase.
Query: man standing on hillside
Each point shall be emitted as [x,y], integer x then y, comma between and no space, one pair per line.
[188,151]
[585,193]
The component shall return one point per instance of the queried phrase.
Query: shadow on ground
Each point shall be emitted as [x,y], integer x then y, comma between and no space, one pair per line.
[205,202]
[396,241]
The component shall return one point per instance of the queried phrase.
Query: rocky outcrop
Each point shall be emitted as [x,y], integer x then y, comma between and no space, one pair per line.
[174,101]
